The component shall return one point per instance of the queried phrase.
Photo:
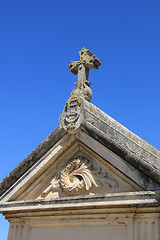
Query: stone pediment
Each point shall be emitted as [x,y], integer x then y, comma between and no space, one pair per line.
[114,160]
[78,165]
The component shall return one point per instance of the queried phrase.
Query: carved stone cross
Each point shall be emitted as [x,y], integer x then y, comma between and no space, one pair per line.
[87,61]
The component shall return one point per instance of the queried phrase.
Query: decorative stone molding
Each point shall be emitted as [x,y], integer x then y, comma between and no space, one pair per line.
[78,176]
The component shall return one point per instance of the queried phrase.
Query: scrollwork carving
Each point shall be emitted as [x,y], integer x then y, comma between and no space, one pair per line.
[80,175]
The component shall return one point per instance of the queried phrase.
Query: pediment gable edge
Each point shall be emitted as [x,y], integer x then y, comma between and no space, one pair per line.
[66,142]
[118,162]
[145,160]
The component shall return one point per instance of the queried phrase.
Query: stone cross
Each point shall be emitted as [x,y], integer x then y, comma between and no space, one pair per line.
[87,61]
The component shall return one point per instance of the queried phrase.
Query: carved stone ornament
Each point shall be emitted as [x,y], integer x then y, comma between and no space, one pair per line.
[71,118]
[71,115]
[79,176]
[87,61]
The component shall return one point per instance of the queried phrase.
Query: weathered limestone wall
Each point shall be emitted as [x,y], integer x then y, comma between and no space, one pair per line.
[121,229]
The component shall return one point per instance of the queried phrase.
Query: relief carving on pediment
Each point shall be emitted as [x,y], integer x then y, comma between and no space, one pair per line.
[78,176]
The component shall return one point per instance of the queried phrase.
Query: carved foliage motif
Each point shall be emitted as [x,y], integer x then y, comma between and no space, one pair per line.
[80,175]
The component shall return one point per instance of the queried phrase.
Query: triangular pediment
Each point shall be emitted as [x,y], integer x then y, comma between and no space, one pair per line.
[77,165]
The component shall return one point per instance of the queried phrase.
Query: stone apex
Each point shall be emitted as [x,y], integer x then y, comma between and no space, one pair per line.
[71,119]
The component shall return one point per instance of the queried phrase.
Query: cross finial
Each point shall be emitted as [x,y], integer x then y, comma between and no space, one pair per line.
[87,61]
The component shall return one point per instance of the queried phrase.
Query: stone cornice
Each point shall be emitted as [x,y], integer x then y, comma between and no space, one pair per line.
[143,202]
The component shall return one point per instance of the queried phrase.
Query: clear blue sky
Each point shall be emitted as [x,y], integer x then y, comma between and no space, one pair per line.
[37,41]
